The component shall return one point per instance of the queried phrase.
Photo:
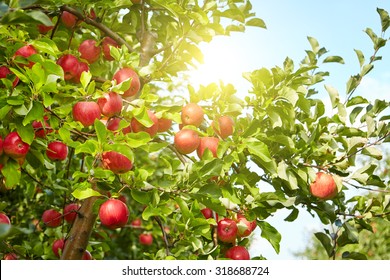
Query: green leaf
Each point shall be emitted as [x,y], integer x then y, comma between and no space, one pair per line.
[385,19]
[293,215]
[259,149]
[35,113]
[12,173]
[26,133]
[337,59]
[257,22]
[4,110]
[141,196]
[184,208]
[326,242]
[360,56]
[90,147]
[271,234]
[83,193]
[349,235]
[353,256]
[314,44]
[101,131]
[334,95]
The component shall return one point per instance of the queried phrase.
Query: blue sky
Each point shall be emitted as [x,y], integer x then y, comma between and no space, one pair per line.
[338,26]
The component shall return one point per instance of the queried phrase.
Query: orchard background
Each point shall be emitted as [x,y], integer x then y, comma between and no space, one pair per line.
[176,201]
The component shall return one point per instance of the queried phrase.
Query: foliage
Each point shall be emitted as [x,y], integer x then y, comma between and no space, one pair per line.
[287,136]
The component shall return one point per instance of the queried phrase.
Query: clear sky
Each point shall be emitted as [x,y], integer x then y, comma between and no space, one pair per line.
[338,26]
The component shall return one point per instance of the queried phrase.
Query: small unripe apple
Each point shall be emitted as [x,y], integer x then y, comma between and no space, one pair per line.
[192,114]
[4,72]
[146,239]
[4,219]
[52,218]
[89,50]
[210,143]
[10,257]
[26,52]
[86,112]
[14,146]
[57,151]
[58,245]
[186,141]
[227,230]
[113,213]
[324,186]
[110,104]
[128,73]
[68,19]
[225,126]
[106,44]
[70,212]
[237,253]
[164,124]
[116,162]
[136,126]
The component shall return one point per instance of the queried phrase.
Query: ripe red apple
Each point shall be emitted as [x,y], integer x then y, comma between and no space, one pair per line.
[116,162]
[70,212]
[324,186]
[113,213]
[164,124]
[136,126]
[113,125]
[89,50]
[43,29]
[237,253]
[68,19]
[14,147]
[41,129]
[208,213]
[227,230]
[70,65]
[87,256]
[253,223]
[52,218]
[57,151]
[4,72]
[244,227]
[86,112]
[26,52]
[4,219]
[186,141]
[10,257]
[146,239]
[58,245]
[136,222]
[110,104]
[127,73]
[210,143]
[225,127]
[82,67]
[192,114]
[106,44]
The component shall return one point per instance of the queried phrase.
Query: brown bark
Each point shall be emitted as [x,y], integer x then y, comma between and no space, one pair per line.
[78,238]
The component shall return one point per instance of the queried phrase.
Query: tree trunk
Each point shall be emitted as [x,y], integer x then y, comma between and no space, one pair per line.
[78,238]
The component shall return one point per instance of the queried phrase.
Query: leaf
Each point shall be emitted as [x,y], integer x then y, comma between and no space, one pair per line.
[271,234]
[353,256]
[326,242]
[101,131]
[12,173]
[35,113]
[83,193]
[334,95]
[4,230]
[385,19]
[349,235]
[360,56]
[293,215]
[257,22]
[335,58]
[314,44]
[258,149]
[141,196]
[184,209]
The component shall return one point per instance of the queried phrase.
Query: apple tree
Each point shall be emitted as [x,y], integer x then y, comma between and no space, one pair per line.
[108,152]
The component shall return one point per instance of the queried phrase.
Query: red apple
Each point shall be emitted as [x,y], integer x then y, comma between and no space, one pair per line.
[70,64]
[186,141]
[106,44]
[57,151]
[227,230]
[116,162]
[208,213]
[4,219]
[41,131]
[87,256]
[164,124]
[86,112]
[52,218]
[237,253]
[136,222]
[113,213]
[89,50]
[324,186]
[68,19]
[70,212]
[110,104]
[244,227]
[4,72]
[136,126]
[210,143]
[26,52]
[146,239]
[10,257]
[192,114]
[225,127]
[43,29]
[14,147]
[113,125]
[82,67]
[128,73]
[58,245]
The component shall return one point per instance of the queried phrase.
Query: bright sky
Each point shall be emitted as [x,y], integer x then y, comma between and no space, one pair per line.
[338,26]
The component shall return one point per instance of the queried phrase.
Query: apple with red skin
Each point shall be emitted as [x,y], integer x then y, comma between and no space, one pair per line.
[116,162]
[89,50]
[208,213]
[136,222]
[68,19]
[87,256]
[244,227]
[70,212]
[210,143]
[110,104]
[10,257]
[136,126]
[324,187]
[70,65]
[106,44]
[82,67]
[14,146]
[192,114]
[227,230]
[26,51]
[146,239]
[43,29]
[164,124]
[58,245]
[253,223]
[57,150]
[86,112]
[237,253]
[4,72]
[113,213]
[186,141]
[225,126]
[128,73]
[113,125]
[52,218]
[41,131]
[4,219]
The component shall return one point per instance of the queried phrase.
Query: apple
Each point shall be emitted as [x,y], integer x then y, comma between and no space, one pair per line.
[82,67]
[116,162]
[210,143]
[4,72]
[89,50]
[244,227]
[113,213]
[43,29]
[106,44]
[136,222]
[52,218]
[136,126]
[110,104]
[58,245]
[26,52]
[237,253]
[68,19]
[164,124]
[4,219]
[146,239]
[192,114]
[186,141]
[70,64]
[86,112]
[10,257]
[70,212]
[87,255]
[14,146]
[41,131]
[208,213]
[113,125]
[225,127]
[128,73]
[324,186]
[227,230]
[57,151]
